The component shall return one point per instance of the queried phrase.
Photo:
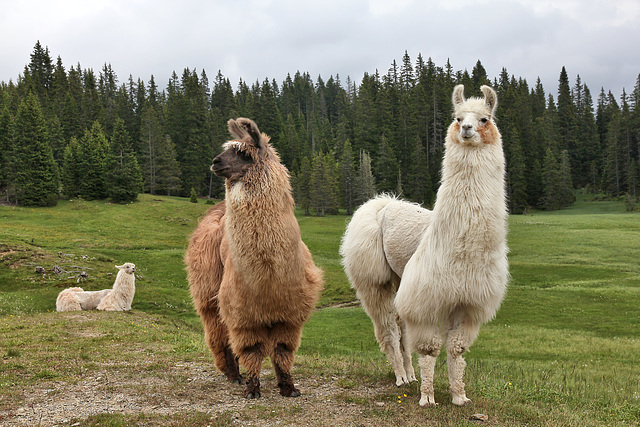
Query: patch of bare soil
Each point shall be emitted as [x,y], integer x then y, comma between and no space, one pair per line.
[190,388]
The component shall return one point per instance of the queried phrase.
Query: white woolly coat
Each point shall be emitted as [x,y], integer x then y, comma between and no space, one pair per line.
[121,297]
[462,259]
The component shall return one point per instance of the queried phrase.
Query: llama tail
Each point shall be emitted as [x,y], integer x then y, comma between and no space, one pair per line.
[369,272]
[67,300]
[362,248]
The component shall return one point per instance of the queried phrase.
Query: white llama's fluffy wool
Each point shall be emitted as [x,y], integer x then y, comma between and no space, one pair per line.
[118,298]
[429,277]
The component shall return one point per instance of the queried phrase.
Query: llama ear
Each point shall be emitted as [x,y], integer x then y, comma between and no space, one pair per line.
[458,95]
[252,129]
[236,131]
[490,98]
[120,266]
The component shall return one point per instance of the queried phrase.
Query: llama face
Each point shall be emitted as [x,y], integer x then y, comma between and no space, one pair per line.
[127,267]
[233,162]
[471,127]
[473,117]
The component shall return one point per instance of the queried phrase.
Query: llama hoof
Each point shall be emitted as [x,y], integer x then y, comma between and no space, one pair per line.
[461,401]
[295,393]
[237,380]
[428,402]
[289,391]
[253,395]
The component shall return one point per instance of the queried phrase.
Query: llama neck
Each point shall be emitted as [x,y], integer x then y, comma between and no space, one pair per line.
[471,203]
[124,282]
[263,234]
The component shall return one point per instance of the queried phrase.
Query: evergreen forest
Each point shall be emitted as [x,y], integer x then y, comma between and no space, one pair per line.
[72,132]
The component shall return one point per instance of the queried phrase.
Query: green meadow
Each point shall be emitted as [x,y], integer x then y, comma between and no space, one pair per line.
[564,349]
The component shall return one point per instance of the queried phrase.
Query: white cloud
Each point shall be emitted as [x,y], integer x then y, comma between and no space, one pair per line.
[256,39]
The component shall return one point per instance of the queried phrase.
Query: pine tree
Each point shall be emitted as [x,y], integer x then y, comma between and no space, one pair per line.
[168,171]
[6,145]
[517,186]
[150,143]
[567,121]
[90,100]
[365,182]
[567,194]
[587,144]
[70,176]
[551,177]
[41,74]
[302,186]
[348,177]
[417,184]
[91,163]
[386,167]
[123,174]
[323,184]
[34,170]
[613,174]
[633,180]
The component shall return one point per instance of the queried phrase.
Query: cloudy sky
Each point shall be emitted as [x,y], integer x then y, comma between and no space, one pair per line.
[257,39]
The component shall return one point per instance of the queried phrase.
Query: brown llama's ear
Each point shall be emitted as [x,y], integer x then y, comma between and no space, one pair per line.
[490,98]
[243,127]
[458,95]
[236,131]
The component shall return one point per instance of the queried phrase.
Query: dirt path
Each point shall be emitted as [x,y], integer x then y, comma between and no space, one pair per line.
[190,388]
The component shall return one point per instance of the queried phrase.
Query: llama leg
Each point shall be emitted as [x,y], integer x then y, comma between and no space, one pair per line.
[462,332]
[249,345]
[377,301]
[427,341]
[217,338]
[284,341]
[405,349]
[427,367]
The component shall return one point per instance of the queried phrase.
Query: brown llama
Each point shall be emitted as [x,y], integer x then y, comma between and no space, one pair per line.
[252,279]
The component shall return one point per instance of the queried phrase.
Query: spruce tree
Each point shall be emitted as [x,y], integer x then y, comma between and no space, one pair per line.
[6,145]
[34,170]
[567,194]
[567,122]
[319,190]
[70,176]
[551,178]
[613,174]
[168,171]
[517,186]
[302,186]
[386,167]
[418,182]
[365,182]
[348,177]
[91,163]
[41,74]
[123,174]
[632,186]
[151,140]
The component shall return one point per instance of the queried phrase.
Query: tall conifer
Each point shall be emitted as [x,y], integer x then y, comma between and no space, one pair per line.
[123,175]
[34,170]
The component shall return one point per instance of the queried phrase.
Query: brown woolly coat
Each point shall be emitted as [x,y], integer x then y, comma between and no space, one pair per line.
[246,260]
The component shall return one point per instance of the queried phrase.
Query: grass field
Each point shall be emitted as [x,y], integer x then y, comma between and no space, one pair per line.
[564,348]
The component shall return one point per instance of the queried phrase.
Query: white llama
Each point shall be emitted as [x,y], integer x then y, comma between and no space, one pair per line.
[118,298]
[429,276]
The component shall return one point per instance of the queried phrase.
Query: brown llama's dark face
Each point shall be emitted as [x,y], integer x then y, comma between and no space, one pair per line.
[233,162]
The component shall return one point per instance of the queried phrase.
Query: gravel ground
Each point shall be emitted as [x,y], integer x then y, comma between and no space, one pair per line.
[204,390]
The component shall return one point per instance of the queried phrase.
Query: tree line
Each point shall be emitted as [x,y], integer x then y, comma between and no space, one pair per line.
[72,132]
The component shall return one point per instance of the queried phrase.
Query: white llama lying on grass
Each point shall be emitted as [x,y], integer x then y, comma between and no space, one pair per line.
[118,298]
[429,276]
